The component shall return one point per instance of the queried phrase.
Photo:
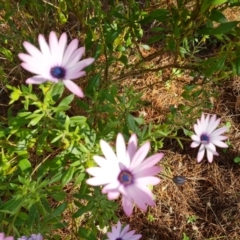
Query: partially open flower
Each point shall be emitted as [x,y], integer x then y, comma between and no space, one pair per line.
[32,237]
[127,172]
[207,136]
[119,234]
[55,61]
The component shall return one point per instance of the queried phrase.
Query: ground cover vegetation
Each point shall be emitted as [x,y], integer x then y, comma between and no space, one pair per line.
[110,119]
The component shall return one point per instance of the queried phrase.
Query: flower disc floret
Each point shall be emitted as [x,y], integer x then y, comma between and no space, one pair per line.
[55,61]
[207,136]
[128,172]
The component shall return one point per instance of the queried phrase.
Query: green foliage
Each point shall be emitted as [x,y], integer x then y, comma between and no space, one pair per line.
[46,147]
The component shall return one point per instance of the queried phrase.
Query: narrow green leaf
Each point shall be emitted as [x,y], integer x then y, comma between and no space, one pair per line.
[67,177]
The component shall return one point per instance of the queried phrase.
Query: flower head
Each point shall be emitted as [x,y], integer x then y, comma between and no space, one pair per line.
[32,237]
[2,237]
[207,136]
[117,234]
[55,61]
[126,172]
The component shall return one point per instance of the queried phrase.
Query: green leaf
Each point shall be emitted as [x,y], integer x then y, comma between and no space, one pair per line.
[217,16]
[57,91]
[24,164]
[210,3]
[66,101]
[237,62]
[36,120]
[59,196]
[60,209]
[67,177]
[131,122]
[83,210]
[93,83]
[223,28]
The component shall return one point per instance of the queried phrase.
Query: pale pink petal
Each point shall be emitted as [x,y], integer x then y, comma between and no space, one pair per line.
[75,57]
[148,162]
[196,138]
[146,171]
[107,151]
[61,47]
[213,124]
[210,147]
[102,162]
[82,64]
[121,150]
[197,130]
[111,186]
[32,50]
[209,156]
[148,180]
[113,195]
[220,144]
[219,131]
[71,48]
[44,47]
[70,75]
[74,88]
[201,152]
[195,144]
[137,196]
[218,138]
[140,155]
[97,181]
[33,68]
[54,47]
[36,80]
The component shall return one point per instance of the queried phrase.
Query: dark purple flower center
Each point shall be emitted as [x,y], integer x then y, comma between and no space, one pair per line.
[118,238]
[58,72]
[204,138]
[125,177]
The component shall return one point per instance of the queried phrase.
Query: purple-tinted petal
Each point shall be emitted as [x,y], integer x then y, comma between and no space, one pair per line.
[127,205]
[145,172]
[74,88]
[125,230]
[148,180]
[71,48]
[149,162]
[128,235]
[121,150]
[220,144]
[132,146]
